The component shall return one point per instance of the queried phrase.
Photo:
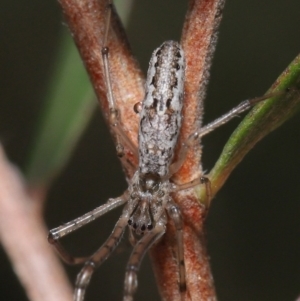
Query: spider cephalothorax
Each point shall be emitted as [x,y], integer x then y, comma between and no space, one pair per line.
[148,199]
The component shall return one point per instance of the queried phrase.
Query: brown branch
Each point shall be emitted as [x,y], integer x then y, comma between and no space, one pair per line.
[23,236]
[199,279]
[198,41]
[86,20]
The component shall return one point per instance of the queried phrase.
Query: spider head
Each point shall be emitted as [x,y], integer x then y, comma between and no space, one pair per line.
[140,221]
[148,197]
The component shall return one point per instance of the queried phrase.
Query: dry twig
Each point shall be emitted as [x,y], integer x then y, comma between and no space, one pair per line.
[23,235]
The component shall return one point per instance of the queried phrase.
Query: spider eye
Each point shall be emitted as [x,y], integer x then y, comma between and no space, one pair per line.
[150,227]
[134,195]
[150,182]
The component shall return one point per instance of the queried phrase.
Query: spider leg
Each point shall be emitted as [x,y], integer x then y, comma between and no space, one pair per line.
[56,233]
[84,277]
[140,249]
[201,180]
[175,215]
[131,237]
[195,137]
[114,113]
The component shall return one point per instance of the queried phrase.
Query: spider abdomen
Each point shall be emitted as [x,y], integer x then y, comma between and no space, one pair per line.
[160,119]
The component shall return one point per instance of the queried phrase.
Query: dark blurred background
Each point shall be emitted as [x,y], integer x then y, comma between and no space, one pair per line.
[253,227]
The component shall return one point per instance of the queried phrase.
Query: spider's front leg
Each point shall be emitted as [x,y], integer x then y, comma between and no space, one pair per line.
[114,113]
[196,137]
[136,257]
[175,215]
[59,232]
[84,277]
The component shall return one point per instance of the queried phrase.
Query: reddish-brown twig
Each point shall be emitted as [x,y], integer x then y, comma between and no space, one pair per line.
[23,236]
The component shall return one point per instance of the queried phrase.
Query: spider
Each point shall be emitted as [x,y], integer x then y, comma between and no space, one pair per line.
[149,198]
